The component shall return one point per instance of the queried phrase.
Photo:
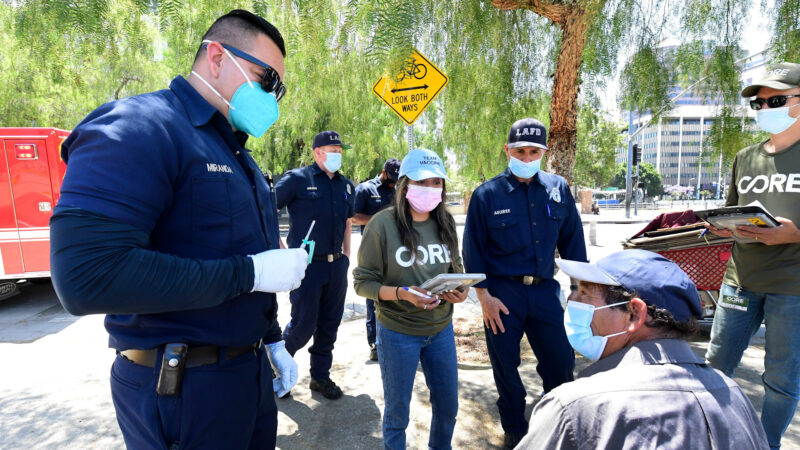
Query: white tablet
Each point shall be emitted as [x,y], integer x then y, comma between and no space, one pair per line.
[449,281]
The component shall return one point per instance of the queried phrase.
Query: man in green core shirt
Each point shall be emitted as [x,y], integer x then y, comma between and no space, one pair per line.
[761,282]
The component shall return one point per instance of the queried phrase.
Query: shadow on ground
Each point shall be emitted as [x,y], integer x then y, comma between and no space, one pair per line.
[314,428]
[33,314]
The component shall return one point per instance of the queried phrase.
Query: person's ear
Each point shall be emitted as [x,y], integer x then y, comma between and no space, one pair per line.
[508,154]
[638,314]
[214,54]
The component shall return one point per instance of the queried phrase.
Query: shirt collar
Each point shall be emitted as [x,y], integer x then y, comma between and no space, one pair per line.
[200,111]
[646,353]
[197,107]
[316,170]
[512,182]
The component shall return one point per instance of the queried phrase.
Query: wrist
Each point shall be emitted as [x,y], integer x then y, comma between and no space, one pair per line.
[397,293]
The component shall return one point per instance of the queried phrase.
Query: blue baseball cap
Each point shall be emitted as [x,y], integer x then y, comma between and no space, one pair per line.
[328,138]
[527,133]
[421,164]
[655,279]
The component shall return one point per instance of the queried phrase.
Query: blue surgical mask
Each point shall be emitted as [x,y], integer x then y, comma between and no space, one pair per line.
[522,169]
[333,161]
[578,324]
[251,109]
[775,120]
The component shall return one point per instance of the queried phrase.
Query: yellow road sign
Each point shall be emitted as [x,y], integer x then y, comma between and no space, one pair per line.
[413,89]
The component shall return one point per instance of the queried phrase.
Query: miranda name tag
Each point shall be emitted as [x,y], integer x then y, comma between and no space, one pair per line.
[734,302]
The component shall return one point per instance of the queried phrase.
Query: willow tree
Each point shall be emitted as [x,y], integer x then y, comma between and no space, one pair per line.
[585,38]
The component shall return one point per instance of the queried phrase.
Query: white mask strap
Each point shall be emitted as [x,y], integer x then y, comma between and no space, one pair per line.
[249,82]
[613,304]
[615,334]
[212,89]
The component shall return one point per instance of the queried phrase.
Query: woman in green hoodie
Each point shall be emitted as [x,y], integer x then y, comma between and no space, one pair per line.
[413,326]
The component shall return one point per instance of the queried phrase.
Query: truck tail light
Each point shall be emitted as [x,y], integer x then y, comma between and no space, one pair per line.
[26,151]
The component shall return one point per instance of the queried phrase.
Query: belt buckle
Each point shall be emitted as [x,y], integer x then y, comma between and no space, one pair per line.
[527,280]
[330,257]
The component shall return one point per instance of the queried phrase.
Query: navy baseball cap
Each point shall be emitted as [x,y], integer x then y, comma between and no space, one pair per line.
[527,133]
[655,279]
[328,138]
[421,164]
[392,168]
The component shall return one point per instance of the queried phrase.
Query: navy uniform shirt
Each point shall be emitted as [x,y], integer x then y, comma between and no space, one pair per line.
[168,164]
[514,228]
[371,197]
[311,195]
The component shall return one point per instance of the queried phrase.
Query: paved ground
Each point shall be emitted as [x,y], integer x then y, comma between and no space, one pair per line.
[54,378]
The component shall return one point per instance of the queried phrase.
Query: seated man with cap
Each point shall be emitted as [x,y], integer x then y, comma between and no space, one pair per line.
[632,313]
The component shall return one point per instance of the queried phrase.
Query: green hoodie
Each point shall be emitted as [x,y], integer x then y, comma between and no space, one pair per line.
[384,260]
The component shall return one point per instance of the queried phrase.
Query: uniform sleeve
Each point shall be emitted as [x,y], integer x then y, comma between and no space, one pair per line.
[284,189]
[100,265]
[733,193]
[368,276]
[360,199]
[474,241]
[550,427]
[571,244]
[121,163]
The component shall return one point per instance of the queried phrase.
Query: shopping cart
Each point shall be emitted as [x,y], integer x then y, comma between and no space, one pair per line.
[705,265]
[682,238]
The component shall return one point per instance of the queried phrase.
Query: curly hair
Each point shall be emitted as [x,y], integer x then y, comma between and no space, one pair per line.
[658,318]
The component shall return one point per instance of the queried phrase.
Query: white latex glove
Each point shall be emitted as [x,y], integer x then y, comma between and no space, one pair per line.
[284,366]
[279,270]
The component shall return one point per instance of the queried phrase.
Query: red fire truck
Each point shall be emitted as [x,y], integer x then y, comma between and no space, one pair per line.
[30,181]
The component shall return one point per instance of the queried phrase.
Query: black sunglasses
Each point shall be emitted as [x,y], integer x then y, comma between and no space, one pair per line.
[773,102]
[270,81]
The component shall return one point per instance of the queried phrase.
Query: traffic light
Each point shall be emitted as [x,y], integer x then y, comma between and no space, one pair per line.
[637,154]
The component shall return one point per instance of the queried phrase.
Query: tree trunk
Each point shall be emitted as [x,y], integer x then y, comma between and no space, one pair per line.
[564,100]
[573,20]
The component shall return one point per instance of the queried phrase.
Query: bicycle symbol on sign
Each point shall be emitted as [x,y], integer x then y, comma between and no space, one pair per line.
[413,70]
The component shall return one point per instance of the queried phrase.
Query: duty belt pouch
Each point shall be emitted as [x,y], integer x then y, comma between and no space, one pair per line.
[172,365]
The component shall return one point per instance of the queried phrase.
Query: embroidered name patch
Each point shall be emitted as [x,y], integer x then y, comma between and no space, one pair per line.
[218,168]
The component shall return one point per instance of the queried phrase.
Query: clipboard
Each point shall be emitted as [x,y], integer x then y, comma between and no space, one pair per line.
[730,217]
[449,281]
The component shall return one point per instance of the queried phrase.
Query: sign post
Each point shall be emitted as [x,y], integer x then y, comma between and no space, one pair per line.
[409,92]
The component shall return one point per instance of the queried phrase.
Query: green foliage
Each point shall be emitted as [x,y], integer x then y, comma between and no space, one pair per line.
[647,175]
[729,134]
[598,137]
[785,44]
[645,81]
[62,58]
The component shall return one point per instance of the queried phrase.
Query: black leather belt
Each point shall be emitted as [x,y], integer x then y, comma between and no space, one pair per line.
[196,356]
[330,257]
[527,280]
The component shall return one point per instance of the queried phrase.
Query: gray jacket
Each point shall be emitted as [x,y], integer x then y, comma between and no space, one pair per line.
[655,394]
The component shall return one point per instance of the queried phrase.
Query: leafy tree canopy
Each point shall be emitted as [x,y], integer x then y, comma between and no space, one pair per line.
[647,175]
[506,59]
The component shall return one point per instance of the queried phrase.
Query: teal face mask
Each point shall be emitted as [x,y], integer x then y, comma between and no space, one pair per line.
[522,169]
[333,161]
[251,109]
[775,120]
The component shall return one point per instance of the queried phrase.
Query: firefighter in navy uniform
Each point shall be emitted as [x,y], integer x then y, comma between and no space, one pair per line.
[318,192]
[372,196]
[515,222]
[161,246]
